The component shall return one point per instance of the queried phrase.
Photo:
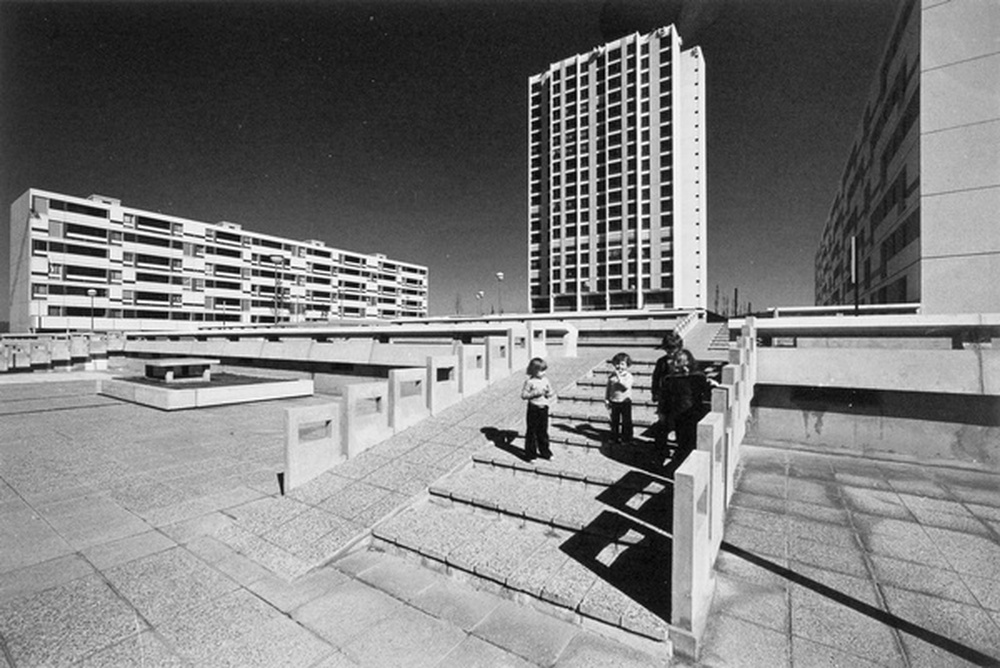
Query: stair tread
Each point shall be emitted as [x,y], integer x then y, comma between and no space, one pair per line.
[593,577]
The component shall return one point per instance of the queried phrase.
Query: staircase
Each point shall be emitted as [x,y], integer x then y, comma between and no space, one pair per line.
[585,535]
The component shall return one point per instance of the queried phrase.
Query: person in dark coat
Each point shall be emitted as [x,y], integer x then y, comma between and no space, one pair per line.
[682,393]
[665,368]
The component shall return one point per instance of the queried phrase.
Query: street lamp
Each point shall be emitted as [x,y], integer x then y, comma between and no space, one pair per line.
[277,261]
[91,292]
[500,292]
[479,299]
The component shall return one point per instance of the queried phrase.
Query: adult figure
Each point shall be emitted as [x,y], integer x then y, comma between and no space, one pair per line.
[666,367]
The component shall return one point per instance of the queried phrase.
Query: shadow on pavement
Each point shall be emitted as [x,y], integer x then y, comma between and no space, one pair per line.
[887,618]
[503,439]
[637,564]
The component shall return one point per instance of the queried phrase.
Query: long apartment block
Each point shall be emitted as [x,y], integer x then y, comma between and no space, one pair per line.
[92,263]
[616,178]
[914,218]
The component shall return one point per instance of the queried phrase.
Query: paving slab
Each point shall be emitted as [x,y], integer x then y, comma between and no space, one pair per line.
[475,653]
[735,642]
[346,611]
[408,637]
[168,584]
[287,596]
[60,624]
[533,636]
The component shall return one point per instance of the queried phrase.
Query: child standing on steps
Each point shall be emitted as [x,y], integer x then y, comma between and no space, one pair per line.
[618,398]
[538,392]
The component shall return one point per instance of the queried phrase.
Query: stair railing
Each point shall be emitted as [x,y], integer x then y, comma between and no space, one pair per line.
[703,487]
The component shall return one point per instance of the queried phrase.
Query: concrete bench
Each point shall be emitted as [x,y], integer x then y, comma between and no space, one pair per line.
[172,370]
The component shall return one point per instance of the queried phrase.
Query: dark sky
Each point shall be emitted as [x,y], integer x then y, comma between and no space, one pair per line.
[400,126]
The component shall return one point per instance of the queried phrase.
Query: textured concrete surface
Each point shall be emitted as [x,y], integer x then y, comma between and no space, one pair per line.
[133,537]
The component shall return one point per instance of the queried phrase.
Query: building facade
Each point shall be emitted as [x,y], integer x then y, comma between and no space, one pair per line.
[92,263]
[616,178]
[916,217]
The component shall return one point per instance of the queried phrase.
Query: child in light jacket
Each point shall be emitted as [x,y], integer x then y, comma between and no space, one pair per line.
[538,392]
[618,397]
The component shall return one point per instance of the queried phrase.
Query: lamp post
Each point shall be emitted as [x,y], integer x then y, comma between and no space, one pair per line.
[278,262]
[500,292]
[479,299]
[91,292]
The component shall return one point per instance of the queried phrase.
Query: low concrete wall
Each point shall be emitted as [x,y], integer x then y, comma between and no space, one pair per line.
[365,417]
[935,428]
[312,442]
[703,487]
[497,358]
[692,561]
[407,397]
[975,371]
[471,368]
[442,383]
[178,398]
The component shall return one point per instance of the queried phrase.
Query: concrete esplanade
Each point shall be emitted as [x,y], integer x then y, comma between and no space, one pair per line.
[841,506]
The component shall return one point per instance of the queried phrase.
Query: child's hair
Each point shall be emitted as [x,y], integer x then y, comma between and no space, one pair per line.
[536,365]
[622,357]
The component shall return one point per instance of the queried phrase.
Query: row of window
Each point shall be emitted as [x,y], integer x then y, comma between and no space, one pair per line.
[59,228]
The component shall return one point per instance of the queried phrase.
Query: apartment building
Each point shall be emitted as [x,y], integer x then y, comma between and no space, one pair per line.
[616,178]
[915,217]
[82,263]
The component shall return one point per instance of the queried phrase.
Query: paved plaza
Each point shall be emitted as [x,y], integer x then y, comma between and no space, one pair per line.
[132,537]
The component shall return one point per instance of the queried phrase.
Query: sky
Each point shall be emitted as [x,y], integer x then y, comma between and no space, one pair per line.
[400,126]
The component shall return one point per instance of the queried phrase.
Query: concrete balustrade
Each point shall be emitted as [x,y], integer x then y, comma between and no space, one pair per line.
[40,355]
[365,413]
[537,340]
[703,488]
[471,368]
[442,383]
[79,349]
[692,569]
[497,358]
[312,442]
[408,399]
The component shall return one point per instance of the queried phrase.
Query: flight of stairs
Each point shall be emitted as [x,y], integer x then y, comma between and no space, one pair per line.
[585,535]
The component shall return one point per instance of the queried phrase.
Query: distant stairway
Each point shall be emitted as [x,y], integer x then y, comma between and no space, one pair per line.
[586,534]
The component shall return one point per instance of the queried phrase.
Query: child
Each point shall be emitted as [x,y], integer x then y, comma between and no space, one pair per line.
[667,368]
[538,392]
[691,390]
[618,398]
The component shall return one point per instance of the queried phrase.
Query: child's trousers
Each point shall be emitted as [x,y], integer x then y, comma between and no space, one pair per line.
[621,419]
[536,437]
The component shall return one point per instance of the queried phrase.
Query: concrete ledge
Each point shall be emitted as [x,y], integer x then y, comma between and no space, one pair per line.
[178,398]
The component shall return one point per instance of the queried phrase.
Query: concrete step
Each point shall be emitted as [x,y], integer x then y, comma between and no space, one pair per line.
[568,499]
[594,394]
[623,583]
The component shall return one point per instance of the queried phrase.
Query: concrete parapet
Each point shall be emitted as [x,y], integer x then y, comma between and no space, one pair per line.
[518,345]
[340,350]
[471,368]
[972,371]
[21,357]
[537,340]
[713,439]
[407,397]
[178,398]
[59,349]
[497,358]
[312,442]
[41,356]
[79,347]
[692,574]
[442,383]
[365,417]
